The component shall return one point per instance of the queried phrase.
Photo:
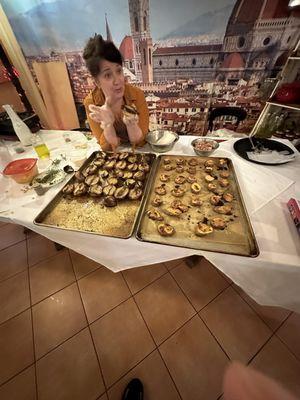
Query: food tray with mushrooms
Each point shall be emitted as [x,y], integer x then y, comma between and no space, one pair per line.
[196,202]
[103,197]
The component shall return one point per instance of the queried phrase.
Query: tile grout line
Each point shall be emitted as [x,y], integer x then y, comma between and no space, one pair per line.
[15,375]
[253,309]
[156,279]
[259,350]
[13,244]
[32,327]
[89,328]
[47,257]
[197,313]
[287,347]
[14,275]
[156,346]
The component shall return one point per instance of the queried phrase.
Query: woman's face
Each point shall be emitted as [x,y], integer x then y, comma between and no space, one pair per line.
[111,80]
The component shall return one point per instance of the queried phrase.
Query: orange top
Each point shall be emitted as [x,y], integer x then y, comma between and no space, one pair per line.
[132,95]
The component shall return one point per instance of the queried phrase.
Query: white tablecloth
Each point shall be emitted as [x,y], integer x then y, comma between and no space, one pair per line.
[273,278]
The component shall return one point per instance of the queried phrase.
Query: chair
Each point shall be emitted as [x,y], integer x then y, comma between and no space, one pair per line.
[237,112]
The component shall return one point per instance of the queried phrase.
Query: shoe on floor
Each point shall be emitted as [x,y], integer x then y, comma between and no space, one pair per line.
[134,390]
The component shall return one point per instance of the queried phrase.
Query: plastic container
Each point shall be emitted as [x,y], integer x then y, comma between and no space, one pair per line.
[22,171]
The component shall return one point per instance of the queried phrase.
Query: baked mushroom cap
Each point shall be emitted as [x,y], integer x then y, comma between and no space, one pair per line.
[68,189]
[157,201]
[215,200]
[228,197]
[80,189]
[95,190]
[135,193]
[195,188]
[165,229]
[121,192]
[154,215]
[202,229]
[110,201]
[218,223]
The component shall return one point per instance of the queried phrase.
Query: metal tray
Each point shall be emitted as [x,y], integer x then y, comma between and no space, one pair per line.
[89,215]
[238,238]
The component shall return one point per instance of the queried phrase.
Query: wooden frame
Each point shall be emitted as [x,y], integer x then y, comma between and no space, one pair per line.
[14,52]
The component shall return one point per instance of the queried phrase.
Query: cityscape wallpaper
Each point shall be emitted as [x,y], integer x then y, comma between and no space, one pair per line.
[188,56]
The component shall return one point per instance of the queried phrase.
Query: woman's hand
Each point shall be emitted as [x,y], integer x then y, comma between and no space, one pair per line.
[135,134]
[103,115]
[130,120]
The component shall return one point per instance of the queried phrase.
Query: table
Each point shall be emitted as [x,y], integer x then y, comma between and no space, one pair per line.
[273,278]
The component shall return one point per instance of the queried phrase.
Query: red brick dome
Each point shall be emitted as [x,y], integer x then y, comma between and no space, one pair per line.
[233,61]
[126,48]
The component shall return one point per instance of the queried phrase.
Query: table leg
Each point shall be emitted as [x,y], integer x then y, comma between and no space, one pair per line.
[58,246]
[192,261]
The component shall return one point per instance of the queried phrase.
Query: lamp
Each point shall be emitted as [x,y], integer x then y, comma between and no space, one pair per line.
[294,3]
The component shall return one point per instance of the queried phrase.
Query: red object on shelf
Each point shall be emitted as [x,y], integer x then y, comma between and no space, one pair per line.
[294,208]
[288,93]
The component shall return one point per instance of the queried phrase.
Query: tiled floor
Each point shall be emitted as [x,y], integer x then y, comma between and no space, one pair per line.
[72,330]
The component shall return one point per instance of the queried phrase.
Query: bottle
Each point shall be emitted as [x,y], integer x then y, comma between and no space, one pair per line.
[21,129]
[39,146]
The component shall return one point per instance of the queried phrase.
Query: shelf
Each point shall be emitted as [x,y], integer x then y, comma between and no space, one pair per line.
[290,106]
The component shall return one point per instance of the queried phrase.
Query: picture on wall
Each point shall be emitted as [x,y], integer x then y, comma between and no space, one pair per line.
[189,57]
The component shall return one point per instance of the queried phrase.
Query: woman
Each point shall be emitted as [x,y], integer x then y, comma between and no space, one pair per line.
[104,105]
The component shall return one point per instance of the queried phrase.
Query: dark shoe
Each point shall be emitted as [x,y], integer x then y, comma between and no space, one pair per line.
[134,390]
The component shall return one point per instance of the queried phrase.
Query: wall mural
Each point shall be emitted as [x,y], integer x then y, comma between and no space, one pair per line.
[188,57]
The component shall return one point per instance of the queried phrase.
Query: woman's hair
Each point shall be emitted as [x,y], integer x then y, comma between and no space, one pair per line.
[98,49]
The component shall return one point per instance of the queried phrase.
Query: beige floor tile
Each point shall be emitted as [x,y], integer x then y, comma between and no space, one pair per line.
[272,316]
[138,278]
[82,265]
[13,260]
[122,340]
[164,307]
[201,283]
[57,318]
[11,234]
[155,377]
[277,362]
[16,345]
[39,248]
[71,371]
[173,263]
[236,326]
[101,291]
[14,296]
[289,332]
[21,387]
[50,275]
[195,361]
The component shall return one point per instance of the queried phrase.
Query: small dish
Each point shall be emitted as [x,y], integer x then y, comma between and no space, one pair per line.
[49,178]
[204,146]
[162,140]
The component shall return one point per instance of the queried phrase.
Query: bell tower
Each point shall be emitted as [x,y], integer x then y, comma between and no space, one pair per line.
[140,32]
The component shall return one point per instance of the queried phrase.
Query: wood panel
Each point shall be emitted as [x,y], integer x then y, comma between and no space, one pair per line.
[54,84]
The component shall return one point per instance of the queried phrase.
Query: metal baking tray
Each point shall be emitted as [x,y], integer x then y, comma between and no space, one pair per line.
[237,238]
[89,215]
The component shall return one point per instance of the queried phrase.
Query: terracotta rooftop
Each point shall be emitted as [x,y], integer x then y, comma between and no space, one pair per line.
[205,48]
